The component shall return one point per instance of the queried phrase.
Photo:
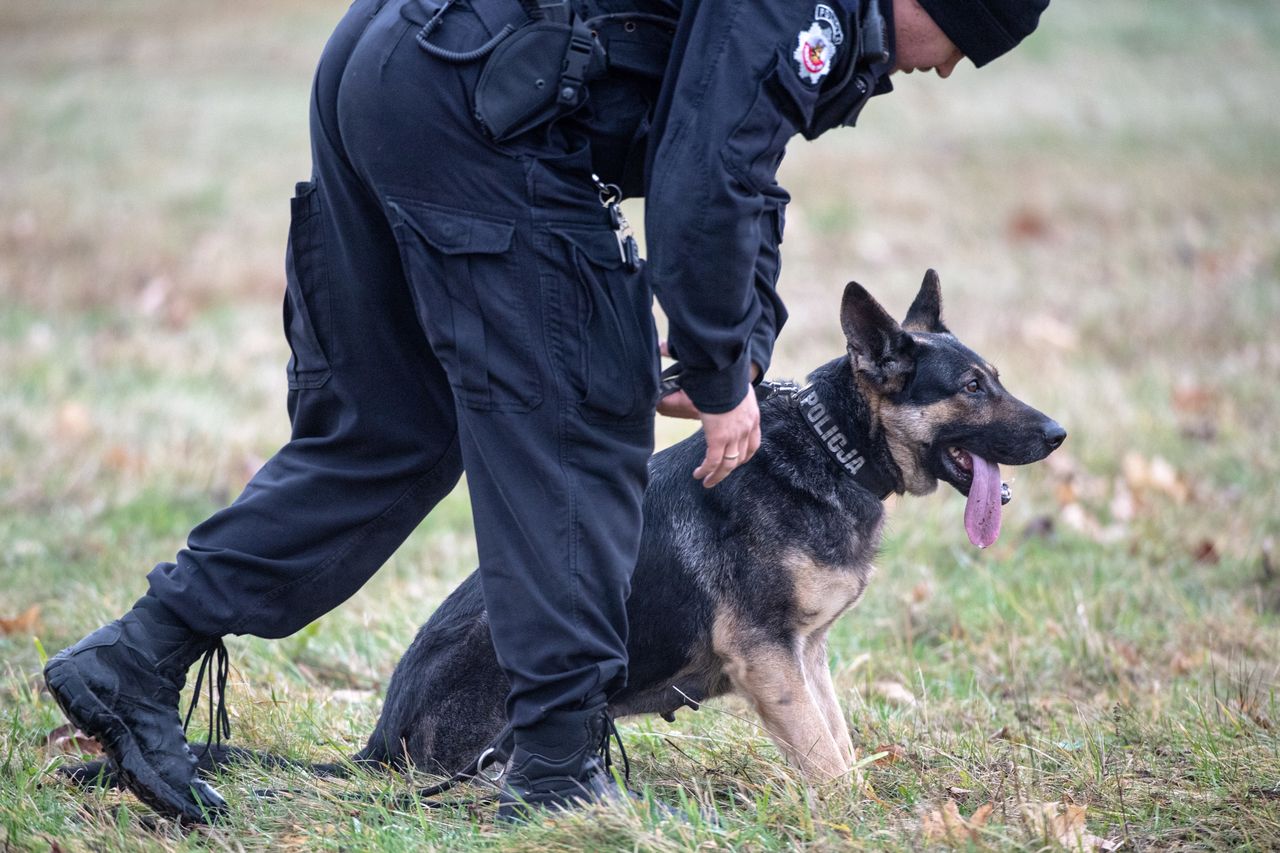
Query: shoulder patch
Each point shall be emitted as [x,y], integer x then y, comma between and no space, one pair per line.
[815,51]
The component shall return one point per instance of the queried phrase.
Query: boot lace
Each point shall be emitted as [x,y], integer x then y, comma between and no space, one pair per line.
[219,721]
[605,750]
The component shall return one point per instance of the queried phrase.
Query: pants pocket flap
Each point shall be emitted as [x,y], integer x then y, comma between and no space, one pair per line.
[455,232]
[598,246]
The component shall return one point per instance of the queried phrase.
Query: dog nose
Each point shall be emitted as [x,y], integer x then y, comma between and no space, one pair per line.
[1054,435]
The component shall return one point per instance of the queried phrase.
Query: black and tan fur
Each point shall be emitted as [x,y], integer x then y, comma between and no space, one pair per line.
[737,586]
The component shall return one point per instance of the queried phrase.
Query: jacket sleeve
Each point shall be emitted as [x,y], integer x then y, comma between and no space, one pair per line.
[773,314]
[731,99]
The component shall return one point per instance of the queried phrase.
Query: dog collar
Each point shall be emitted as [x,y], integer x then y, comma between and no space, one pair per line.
[826,430]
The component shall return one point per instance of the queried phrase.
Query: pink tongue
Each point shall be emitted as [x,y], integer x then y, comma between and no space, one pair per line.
[982,511]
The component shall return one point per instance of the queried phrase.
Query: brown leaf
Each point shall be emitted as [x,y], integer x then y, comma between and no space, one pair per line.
[69,740]
[1028,224]
[1006,733]
[1063,825]
[1206,552]
[947,826]
[1154,475]
[893,753]
[1192,399]
[26,622]
[978,819]
[1128,651]
[1185,663]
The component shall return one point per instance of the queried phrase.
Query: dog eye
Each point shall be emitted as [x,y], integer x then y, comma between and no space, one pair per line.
[972,387]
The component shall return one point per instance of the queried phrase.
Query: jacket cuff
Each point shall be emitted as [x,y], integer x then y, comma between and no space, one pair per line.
[761,351]
[718,391]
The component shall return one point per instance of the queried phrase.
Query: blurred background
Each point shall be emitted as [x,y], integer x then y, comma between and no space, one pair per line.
[1103,206]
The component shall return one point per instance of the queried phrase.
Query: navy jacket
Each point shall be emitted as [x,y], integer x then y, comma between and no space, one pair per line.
[743,78]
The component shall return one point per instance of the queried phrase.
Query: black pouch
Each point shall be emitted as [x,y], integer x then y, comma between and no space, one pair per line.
[533,73]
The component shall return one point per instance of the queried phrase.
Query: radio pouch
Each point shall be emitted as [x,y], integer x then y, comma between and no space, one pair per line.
[533,73]
[536,74]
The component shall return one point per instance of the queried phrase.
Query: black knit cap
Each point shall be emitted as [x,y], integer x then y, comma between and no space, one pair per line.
[985,29]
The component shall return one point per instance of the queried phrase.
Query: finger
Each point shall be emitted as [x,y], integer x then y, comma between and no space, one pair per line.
[723,470]
[711,461]
[664,349]
[728,462]
[753,444]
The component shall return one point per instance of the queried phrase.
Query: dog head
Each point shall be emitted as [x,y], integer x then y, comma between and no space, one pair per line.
[939,405]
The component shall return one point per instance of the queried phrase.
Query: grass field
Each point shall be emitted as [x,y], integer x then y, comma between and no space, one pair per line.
[1104,208]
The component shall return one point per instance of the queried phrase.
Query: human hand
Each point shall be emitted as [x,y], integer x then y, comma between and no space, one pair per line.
[733,437]
[677,404]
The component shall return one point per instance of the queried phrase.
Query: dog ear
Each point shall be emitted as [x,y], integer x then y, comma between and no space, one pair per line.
[878,348]
[925,314]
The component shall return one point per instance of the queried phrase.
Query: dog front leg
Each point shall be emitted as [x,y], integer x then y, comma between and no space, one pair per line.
[773,679]
[818,675]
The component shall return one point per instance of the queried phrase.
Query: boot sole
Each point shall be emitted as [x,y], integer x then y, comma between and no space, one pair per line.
[83,708]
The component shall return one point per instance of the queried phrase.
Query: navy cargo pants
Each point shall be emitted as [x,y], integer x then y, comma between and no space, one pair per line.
[452,306]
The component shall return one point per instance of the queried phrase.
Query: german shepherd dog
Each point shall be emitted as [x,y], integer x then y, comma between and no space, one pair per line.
[736,586]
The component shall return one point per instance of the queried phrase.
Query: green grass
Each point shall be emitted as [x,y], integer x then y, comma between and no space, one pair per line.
[1102,208]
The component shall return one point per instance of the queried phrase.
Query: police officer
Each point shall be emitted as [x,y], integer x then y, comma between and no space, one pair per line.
[462,296]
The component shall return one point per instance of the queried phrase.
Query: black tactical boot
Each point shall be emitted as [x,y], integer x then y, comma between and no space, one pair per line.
[561,763]
[121,686]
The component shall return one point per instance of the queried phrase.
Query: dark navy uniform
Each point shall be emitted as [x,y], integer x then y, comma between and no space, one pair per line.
[456,304]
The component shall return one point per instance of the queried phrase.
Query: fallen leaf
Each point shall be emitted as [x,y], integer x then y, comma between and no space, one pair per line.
[1185,663]
[26,622]
[1128,651]
[947,826]
[894,693]
[1156,475]
[1205,552]
[68,740]
[1028,224]
[1064,825]
[893,753]
[1192,399]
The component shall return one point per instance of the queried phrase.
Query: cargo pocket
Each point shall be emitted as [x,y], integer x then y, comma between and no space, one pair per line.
[615,360]
[306,298]
[474,300]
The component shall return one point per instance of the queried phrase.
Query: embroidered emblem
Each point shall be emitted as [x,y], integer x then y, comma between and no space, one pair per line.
[815,51]
[826,18]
